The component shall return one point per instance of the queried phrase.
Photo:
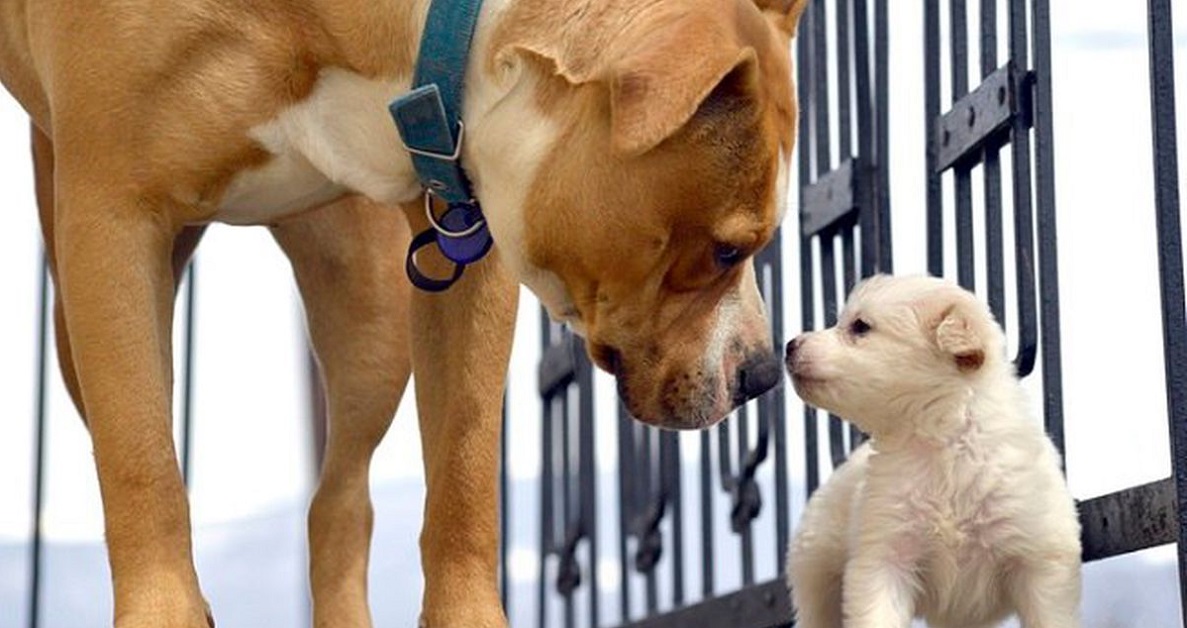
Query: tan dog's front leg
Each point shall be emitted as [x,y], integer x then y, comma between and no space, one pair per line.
[461,342]
[115,278]
[348,263]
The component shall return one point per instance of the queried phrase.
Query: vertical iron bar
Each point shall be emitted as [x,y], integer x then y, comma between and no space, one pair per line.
[187,390]
[742,419]
[1023,206]
[806,61]
[670,461]
[965,248]
[845,106]
[849,279]
[848,262]
[828,272]
[546,485]
[40,408]
[626,500]
[1170,254]
[995,272]
[931,107]
[707,513]
[1048,249]
[865,130]
[588,471]
[642,497]
[861,70]
[567,481]
[820,67]
[884,258]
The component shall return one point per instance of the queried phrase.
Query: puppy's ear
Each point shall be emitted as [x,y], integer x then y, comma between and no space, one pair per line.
[958,336]
[784,14]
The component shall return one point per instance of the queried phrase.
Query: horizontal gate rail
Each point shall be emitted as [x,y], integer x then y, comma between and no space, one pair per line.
[765,605]
[1129,520]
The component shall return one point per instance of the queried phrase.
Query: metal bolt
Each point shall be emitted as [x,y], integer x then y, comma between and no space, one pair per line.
[1001,95]
[972,116]
[947,137]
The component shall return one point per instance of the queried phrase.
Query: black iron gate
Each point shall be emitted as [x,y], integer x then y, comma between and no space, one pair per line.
[844,234]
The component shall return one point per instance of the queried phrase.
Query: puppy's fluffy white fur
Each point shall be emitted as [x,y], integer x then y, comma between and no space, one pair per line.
[955,511]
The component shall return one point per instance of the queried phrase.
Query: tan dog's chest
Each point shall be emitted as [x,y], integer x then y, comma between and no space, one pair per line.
[338,139]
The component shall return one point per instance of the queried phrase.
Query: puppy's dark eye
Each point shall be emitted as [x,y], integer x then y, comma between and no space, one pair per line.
[727,255]
[859,327]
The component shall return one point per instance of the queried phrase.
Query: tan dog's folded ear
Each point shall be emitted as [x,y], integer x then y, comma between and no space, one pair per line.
[784,13]
[958,336]
[657,87]
[658,60]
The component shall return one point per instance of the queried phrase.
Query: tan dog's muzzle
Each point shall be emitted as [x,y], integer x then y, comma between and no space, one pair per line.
[691,398]
[692,374]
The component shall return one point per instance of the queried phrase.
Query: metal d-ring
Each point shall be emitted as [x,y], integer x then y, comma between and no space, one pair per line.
[439,228]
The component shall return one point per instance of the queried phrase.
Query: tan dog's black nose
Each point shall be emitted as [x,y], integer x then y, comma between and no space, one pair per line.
[757,375]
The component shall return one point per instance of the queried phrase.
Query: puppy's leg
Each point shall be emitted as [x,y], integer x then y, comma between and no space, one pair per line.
[878,592]
[113,261]
[1046,592]
[461,341]
[347,258]
[816,560]
[816,592]
[820,550]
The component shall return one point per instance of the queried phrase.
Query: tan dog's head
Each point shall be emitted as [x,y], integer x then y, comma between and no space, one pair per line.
[900,346]
[658,150]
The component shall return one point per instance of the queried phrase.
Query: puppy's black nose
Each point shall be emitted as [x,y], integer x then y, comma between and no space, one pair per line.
[757,375]
[792,347]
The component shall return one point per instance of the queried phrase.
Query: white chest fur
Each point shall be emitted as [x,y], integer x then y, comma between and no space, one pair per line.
[339,139]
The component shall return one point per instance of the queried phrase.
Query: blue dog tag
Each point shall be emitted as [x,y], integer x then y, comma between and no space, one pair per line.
[466,249]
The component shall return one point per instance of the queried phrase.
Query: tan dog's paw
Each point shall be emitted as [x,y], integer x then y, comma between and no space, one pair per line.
[201,620]
[458,617]
[172,615]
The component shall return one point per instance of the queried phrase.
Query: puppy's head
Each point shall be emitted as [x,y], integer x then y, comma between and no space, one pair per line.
[900,344]
[657,170]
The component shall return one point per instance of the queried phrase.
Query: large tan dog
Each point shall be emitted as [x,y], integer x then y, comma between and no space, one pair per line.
[629,156]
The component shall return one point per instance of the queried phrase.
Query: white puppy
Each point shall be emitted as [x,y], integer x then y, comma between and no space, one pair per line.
[955,511]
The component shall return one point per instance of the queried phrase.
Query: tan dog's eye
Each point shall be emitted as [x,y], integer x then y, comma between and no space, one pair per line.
[727,255]
[859,327]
